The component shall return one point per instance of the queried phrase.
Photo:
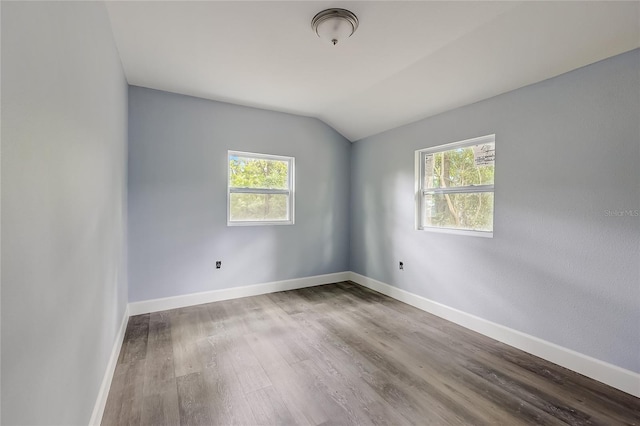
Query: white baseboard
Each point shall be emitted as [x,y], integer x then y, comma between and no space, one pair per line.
[101,401]
[155,305]
[617,377]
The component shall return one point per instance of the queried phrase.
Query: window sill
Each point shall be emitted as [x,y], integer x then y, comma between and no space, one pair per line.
[259,223]
[467,232]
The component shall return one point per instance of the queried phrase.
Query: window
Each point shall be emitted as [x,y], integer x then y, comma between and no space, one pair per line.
[454,187]
[260,189]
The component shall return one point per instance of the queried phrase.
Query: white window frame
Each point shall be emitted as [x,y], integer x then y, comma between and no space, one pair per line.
[290,192]
[420,191]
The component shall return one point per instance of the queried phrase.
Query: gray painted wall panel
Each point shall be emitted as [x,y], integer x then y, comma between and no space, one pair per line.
[64,135]
[178,194]
[558,267]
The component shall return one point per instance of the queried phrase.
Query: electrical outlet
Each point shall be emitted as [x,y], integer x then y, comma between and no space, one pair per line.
[401,265]
[218,264]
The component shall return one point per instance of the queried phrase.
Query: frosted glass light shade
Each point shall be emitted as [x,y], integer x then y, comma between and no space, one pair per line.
[334,25]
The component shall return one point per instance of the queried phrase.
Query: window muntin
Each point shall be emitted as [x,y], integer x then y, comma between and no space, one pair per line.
[455,185]
[260,189]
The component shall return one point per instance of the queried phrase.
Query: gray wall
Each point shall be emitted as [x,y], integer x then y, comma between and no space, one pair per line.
[558,268]
[178,194]
[64,289]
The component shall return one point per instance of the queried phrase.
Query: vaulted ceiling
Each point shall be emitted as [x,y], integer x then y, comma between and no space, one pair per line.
[406,61]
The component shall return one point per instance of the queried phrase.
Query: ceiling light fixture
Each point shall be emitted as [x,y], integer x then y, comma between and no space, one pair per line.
[334,25]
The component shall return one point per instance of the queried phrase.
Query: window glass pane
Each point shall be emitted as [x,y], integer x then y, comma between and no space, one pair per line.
[472,165]
[247,172]
[473,211]
[257,207]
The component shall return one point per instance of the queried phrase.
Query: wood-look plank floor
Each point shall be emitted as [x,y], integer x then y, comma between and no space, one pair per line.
[339,354]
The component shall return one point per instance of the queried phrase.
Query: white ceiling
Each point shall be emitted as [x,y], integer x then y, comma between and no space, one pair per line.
[406,61]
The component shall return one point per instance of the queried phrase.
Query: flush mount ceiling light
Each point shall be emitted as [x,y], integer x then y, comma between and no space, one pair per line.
[334,25]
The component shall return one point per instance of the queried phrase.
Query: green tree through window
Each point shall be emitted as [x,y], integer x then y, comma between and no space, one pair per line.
[456,185]
[260,188]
